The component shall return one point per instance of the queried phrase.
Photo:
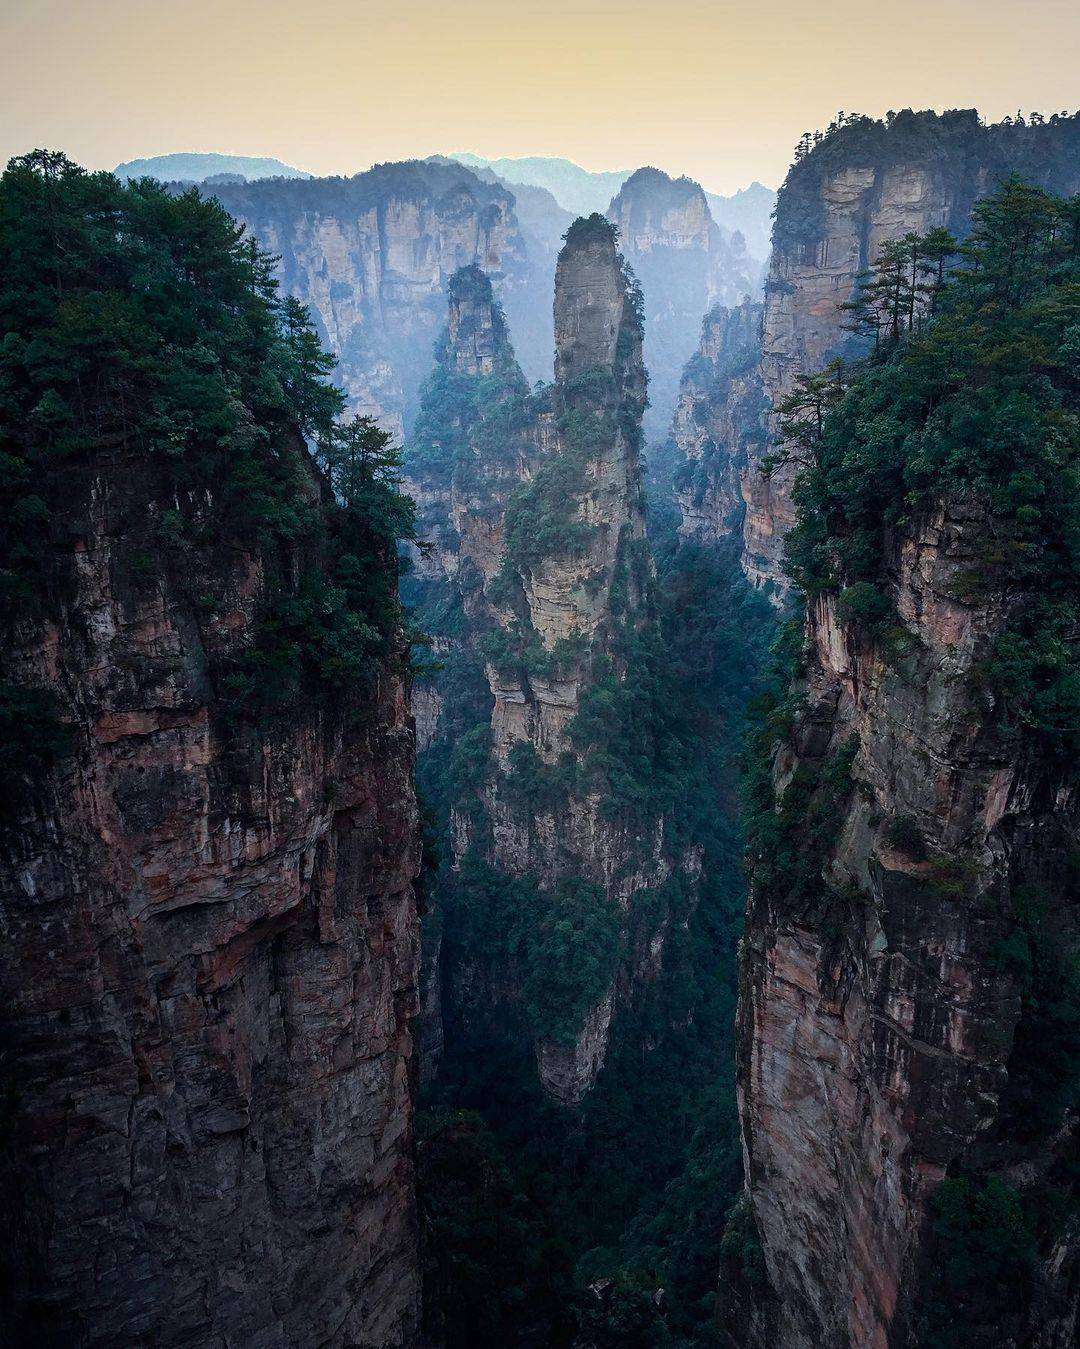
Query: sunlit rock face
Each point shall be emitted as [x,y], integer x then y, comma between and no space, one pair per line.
[208,972]
[877,1024]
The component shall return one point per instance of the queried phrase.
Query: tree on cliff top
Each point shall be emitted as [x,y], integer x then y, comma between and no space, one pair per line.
[982,400]
[592,228]
[144,328]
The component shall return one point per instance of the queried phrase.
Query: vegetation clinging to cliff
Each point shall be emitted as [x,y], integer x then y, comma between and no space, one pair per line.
[983,401]
[946,141]
[144,329]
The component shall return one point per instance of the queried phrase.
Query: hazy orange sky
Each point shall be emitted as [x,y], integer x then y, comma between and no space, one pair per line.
[718,90]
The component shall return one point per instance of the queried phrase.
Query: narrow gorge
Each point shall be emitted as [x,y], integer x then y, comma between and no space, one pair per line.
[539,795]
[543,596]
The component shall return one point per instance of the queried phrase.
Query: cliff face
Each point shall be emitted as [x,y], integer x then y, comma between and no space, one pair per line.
[565,596]
[862,184]
[685,264]
[538,529]
[460,494]
[866,183]
[209,972]
[371,257]
[877,1023]
[719,407]
[909,1017]
[208,829]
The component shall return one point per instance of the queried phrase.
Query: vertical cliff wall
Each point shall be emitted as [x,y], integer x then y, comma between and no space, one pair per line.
[879,1015]
[534,506]
[909,1005]
[371,257]
[685,264]
[719,410]
[207,848]
[861,184]
[209,978]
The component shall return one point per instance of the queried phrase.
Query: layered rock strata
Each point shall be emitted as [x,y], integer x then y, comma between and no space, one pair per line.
[718,411]
[879,1022]
[861,184]
[371,257]
[686,264]
[208,971]
[539,546]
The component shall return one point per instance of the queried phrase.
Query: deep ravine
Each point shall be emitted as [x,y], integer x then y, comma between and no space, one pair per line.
[584,721]
[654,920]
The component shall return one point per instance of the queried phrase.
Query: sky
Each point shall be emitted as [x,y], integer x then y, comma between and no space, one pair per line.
[718,90]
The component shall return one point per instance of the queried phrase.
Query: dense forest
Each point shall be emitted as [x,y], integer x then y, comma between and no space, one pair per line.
[202,659]
[138,323]
[560,1221]
[564,1222]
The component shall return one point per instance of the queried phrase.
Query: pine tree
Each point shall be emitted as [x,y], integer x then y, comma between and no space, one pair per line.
[802,418]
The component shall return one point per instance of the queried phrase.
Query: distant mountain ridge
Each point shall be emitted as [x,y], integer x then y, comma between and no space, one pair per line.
[582,191]
[538,212]
[196,167]
[574,188]
[750,212]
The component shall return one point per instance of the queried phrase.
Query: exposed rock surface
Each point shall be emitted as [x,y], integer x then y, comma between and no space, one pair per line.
[461,495]
[208,974]
[580,192]
[719,408]
[550,598]
[863,184]
[685,264]
[371,256]
[878,1020]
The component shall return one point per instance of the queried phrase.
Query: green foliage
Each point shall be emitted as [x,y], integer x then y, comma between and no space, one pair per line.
[980,403]
[791,837]
[902,290]
[362,465]
[982,1262]
[640,1177]
[32,737]
[542,514]
[562,944]
[570,950]
[865,604]
[741,1245]
[144,328]
[621,1313]
[904,833]
[952,142]
[1044,1066]
[536,787]
[500,1264]
[639,1180]
[518,648]
[1033,671]
[311,645]
[140,320]
[595,228]
[951,879]
[468,424]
